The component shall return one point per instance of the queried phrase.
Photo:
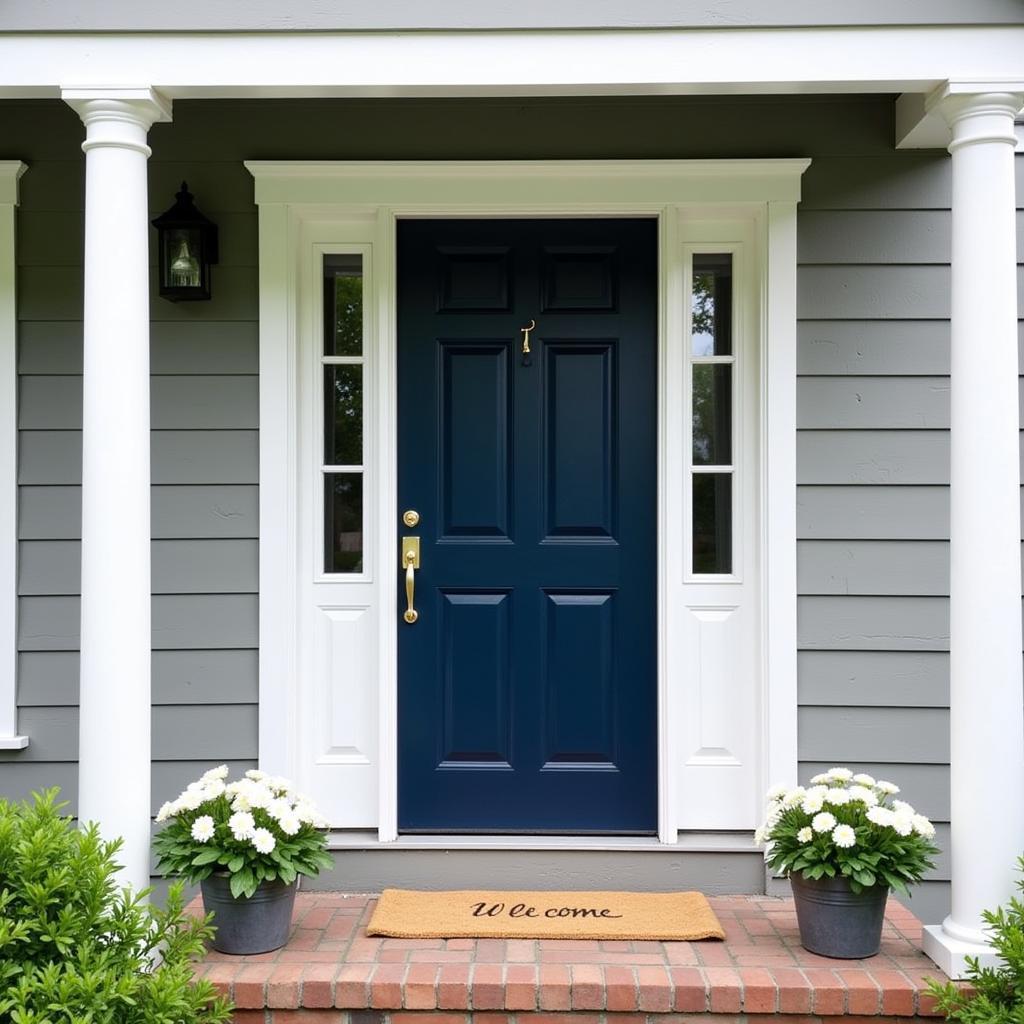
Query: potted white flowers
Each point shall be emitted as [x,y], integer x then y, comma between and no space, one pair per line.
[844,841]
[246,842]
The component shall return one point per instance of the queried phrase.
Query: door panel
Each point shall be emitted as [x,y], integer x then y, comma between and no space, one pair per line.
[527,686]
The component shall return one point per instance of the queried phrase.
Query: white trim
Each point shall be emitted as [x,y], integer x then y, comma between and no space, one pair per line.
[318,194]
[10,739]
[855,59]
[778,490]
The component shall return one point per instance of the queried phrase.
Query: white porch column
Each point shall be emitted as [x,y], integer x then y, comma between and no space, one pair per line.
[114,729]
[986,703]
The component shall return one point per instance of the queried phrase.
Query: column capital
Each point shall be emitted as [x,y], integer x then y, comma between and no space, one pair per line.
[978,111]
[117,116]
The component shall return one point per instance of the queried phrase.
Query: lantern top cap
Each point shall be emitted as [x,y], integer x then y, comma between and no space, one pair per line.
[183,213]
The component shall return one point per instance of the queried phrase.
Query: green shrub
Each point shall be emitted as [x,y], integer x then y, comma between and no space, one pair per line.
[996,994]
[74,949]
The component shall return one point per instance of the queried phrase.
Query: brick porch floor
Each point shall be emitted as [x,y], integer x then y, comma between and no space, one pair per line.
[330,972]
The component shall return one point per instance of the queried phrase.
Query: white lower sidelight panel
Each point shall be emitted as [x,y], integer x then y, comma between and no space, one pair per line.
[329,720]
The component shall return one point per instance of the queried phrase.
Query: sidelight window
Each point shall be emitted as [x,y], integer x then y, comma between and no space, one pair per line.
[712,382]
[343,369]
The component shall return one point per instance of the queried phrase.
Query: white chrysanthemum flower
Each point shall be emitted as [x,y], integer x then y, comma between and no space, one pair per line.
[888,788]
[306,812]
[863,794]
[264,841]
[805,835]
[202,829]
[776,793]
[812,803]
[166,811]
[823,822]
[258,795]
[794,797]
[768,847]
[289,824]
[903,823]
[902,807]
[819,779]
[190,800]
[923,827]
[759,834]
[839,774]
[844,836]
[881,816]
[278,807]
[837,797]
[240,803]
[279,784]
[242,825]
[255,774]
[863,780]
[234,787]
[213,789]
[219,773]
[772,814]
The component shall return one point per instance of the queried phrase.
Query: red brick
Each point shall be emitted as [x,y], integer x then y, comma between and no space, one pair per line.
[759,990]
[794,990]
[561,1018]
[555,988]
[829,992]
[352,987]
[249,1017]
[453,987]
[428,1018]
[897,992]
[491,1018]
[690,992]
[421,987]
[620,989]
[386,986]
[655,989]
[308,1017]
[318,985]
[587,987]
[490,951]
[725,989]
[520,987]
[221,976]
[862,993]
[283,986]
[487,989]
[249,989]
[521,951]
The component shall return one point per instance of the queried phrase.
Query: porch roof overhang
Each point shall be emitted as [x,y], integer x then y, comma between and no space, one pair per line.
[913,61]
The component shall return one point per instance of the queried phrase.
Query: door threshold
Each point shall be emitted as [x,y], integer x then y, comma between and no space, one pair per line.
[688,842]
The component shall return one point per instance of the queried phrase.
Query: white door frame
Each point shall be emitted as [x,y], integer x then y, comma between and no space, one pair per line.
[300,201]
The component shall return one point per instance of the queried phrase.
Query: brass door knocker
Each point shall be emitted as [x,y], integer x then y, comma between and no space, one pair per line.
[526,342]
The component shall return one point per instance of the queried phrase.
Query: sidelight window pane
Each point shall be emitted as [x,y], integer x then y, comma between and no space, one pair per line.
[712,414]
[712,522]
[712,305]
[343,522]
[343,305]
[343,415]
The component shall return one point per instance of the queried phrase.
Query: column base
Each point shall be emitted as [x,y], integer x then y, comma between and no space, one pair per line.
[951,954]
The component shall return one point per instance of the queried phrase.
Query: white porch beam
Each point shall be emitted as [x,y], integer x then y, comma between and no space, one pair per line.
[114,724]
[667,61]
[986,699]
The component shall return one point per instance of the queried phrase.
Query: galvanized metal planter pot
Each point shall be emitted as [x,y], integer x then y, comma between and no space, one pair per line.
[834,921]
[258,924]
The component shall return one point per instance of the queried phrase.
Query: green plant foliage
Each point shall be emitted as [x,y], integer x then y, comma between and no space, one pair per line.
[75,949]
[994,995]
[847,825]
[255,830]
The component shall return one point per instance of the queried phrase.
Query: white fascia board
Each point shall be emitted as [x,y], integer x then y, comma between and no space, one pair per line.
[565,185]
[641,61]
[10,173]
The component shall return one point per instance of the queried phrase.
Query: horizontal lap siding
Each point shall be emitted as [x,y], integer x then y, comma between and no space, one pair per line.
[205,443]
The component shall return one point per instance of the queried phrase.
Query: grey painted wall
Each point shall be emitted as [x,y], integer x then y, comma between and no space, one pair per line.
[263,15]
[872,410]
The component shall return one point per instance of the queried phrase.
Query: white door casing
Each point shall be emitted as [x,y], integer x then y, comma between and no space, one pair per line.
[727,645]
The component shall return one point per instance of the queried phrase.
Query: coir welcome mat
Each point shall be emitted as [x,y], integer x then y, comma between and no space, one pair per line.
[472,914]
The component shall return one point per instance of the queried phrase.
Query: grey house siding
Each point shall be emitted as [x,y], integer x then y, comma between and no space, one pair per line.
[873,409]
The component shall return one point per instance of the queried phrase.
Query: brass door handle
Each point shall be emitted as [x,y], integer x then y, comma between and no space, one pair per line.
[410,562]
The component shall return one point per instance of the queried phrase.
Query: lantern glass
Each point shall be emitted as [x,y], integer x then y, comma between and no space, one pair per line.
[183,258]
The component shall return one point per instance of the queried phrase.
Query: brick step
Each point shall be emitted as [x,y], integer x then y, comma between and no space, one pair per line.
[331,971]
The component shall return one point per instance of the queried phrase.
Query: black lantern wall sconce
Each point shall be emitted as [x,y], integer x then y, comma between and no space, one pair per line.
[187,243]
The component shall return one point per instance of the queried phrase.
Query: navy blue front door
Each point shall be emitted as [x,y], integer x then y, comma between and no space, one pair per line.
[527,686]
